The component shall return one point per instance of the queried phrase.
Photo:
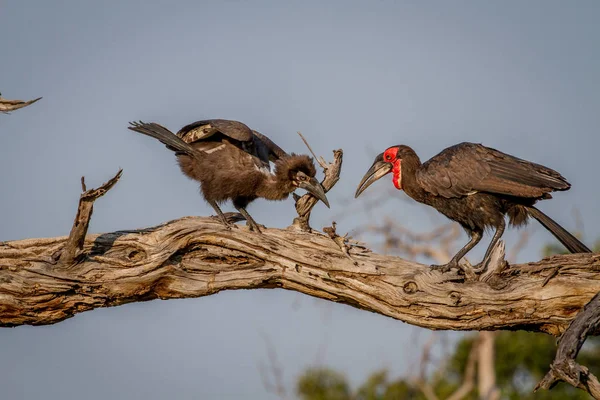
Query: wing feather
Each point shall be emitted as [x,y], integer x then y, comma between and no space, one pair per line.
[209,136]
[275,152]
[202,130]
[469,167]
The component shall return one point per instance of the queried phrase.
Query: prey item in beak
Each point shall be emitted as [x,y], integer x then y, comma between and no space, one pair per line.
[378,170]
[314,187]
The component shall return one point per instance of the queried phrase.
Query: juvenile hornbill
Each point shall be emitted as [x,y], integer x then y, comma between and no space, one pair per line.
[231,162]
[475,186]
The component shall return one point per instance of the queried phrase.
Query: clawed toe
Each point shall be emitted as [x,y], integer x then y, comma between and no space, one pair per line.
[226,224]
[230,226]
[254,226]
[481,266]
[444,267]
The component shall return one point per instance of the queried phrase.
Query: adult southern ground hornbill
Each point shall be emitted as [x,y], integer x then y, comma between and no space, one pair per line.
[475,186]
[231,162]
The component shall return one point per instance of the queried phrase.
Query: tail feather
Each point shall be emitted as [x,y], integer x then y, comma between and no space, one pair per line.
[164,135]
[569,241]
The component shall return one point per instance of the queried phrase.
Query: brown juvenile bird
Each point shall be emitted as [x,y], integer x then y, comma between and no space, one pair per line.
[231,162]
[475,186]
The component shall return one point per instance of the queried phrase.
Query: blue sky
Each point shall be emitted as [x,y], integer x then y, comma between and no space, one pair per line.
[521,77]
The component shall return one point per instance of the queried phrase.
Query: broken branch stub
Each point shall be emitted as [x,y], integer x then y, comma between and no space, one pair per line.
[74,246]
[305,204]
[341,241]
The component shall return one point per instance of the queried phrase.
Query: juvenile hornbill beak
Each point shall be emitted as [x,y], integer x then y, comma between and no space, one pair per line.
[378,170]
[314,187]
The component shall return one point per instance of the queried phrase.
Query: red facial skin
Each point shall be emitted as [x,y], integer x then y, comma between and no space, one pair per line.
[389,156]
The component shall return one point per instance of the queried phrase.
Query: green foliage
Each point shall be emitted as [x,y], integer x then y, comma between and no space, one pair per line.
[379,387]
[522,359]
[323,384]
[327,384]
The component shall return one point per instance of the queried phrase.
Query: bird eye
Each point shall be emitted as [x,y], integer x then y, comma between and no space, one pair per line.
[388,157]
[301,177]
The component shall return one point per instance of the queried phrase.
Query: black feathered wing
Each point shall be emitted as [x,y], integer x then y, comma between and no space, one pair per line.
[203,130]
[164,135]
[201,139]
[214,135]
[267,148]
[467,168]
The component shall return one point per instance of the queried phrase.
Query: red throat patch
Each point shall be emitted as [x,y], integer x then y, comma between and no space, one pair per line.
[397,174]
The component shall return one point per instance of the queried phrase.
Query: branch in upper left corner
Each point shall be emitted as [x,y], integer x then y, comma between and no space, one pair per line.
[7,105]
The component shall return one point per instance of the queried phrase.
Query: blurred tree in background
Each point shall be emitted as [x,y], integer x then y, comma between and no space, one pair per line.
[522,359]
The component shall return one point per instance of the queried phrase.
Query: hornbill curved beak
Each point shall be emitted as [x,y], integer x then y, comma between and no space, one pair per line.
[314,187]
[378,170]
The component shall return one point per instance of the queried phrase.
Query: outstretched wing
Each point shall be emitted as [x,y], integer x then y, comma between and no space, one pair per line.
[467,168]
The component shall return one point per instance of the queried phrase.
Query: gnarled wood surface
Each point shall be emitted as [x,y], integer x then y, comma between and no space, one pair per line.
[194,257]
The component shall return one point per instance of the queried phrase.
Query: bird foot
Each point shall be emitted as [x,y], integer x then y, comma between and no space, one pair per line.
[226,223]
[229,226]
[480,267]
[229,217]
[254,227]
[445,267]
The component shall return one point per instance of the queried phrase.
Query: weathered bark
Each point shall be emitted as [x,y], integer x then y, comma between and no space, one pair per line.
[194,257]
[305,204]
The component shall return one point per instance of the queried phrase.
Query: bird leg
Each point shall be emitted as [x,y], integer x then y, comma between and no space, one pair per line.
[220,214]
[250,221]
[495,238]
[475,238]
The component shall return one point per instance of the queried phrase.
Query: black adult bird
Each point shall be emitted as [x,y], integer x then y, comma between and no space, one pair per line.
[475,186]
[231,162]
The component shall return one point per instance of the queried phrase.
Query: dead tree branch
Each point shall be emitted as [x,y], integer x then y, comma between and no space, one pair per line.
[341,241]
[74,246]
[194,257]
[320,160]
[305,204]
[44,281]
[564,367]
[7,105]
